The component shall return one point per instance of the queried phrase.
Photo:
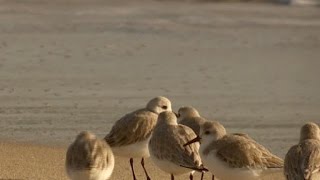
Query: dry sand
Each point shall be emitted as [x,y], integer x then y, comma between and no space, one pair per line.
[68,67]
[25,161]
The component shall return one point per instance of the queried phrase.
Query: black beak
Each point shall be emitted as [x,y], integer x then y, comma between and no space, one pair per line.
[177,115]
[199,169]
[197,139]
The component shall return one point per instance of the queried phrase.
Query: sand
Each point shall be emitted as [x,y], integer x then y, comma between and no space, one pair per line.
[27,161]
[68,67]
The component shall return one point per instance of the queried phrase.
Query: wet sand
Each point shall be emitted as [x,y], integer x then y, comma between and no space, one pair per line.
[68,67]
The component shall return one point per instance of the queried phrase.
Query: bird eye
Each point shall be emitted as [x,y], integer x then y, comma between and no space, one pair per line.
[164,107]
[207,132]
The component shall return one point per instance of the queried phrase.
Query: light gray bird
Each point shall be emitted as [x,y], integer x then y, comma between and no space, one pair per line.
[302,162]
[167,150]
[89,158]
[234,156]
[190,117]
[129,136]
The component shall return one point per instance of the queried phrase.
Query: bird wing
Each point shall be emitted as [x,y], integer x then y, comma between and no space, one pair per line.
[170,144]
[134,127]
[291,163]
[191,152]
[310,157]
[249,154]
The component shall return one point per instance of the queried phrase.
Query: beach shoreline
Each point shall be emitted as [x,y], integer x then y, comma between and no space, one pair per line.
[69,67]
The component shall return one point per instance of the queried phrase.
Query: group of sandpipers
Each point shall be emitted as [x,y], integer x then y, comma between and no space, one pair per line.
[184,142]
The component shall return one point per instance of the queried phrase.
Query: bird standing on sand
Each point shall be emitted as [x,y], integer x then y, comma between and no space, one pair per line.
[234,156]
[302,161]
[89,158]
[129,136]
[167,150]
[190,117]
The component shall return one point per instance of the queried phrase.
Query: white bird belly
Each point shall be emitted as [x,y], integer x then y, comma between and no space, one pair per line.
[222,170]
[169,167]
[93,174]
[136,150]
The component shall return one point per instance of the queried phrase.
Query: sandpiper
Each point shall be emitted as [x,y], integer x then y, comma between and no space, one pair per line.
[89,158]
[189,116]
[234,156]
[129,136]
[303,160]
[167,150]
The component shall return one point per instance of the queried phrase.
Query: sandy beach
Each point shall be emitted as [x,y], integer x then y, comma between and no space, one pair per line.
[71,66]
[27,161]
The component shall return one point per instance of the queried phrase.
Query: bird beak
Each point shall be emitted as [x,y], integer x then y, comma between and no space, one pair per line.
[199,169]
[197,139]
[177,115]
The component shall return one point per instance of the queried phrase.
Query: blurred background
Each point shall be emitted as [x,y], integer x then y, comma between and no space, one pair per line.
[73,65]
[67,66]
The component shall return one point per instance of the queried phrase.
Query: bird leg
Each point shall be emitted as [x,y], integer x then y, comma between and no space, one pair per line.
[212,177]
[145,171]
[191,176]
[133,174]
[172,177]
[202,174]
